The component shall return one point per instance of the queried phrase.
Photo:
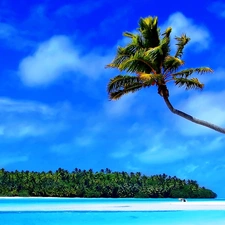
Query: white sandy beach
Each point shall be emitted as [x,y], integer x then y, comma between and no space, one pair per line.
[120,207]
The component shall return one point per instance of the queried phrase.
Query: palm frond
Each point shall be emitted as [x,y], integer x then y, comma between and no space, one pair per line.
[139,62]
[128,34]
[167,32]
[136,39]
[121,81]
[165,42]
[192,83]
[118,94]
[172,63]
[188,72]
[148,28]
[181,42]
[146,76]
[124,53]
[150,78]
[155,53]
[121,85]
[158,53]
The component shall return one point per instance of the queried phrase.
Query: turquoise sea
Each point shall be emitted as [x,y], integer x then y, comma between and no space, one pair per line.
[195,217]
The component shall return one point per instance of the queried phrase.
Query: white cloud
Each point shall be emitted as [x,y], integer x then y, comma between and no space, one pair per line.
[205,106]
[93,64]
[22,129]
[85,140]
[159,154]
[7,31]
[14,38]
[125,149]
[200,36]
[80,9]
[7,160]
[63,149]
[190,168]
[9,105]
[216,76]
[218,7]
[80,141]
[120,107]
[151,146]
[58,56]
[215,144]
[53,58]
[30,119]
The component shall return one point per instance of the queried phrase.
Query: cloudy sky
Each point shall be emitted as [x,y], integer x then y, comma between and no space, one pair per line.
[54,108]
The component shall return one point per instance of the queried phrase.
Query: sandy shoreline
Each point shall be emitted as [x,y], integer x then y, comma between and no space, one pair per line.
[168,206]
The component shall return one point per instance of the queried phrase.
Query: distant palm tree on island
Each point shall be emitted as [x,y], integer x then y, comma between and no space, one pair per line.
[148,57]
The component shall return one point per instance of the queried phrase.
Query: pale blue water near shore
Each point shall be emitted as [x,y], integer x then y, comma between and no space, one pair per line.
[195,217]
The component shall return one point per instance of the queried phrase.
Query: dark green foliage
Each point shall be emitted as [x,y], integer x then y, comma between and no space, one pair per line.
[107,184]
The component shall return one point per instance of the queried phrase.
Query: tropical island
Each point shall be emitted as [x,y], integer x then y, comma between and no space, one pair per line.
[104,184]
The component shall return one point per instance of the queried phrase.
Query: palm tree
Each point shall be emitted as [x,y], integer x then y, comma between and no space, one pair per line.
[147,56]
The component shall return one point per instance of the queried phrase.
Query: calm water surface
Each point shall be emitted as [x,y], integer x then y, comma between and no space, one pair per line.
[105,218]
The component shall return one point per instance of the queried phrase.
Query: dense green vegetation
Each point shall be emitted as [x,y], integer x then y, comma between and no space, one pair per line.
[82,183]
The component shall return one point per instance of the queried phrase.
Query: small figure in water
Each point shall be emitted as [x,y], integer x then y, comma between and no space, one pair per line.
[183,199]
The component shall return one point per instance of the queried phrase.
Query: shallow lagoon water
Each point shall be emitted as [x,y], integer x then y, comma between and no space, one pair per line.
[111,218]
[195,217]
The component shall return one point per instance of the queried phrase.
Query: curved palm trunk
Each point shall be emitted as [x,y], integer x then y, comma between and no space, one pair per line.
[191,118]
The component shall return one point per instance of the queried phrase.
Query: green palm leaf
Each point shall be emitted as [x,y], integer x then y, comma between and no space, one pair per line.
[192,83]
[165,42]
[148,27]
[136,39]
[121,81]
[188,72]
[172,63]
[124,53]
[155,53]
[150,79]
[128,34]
[121,85]
[118,94]
[182,41]
[139,62]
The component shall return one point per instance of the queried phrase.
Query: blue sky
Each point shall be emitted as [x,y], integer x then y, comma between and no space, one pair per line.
[54,108]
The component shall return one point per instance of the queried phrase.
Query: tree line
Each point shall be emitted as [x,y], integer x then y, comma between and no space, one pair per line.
[104,183]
